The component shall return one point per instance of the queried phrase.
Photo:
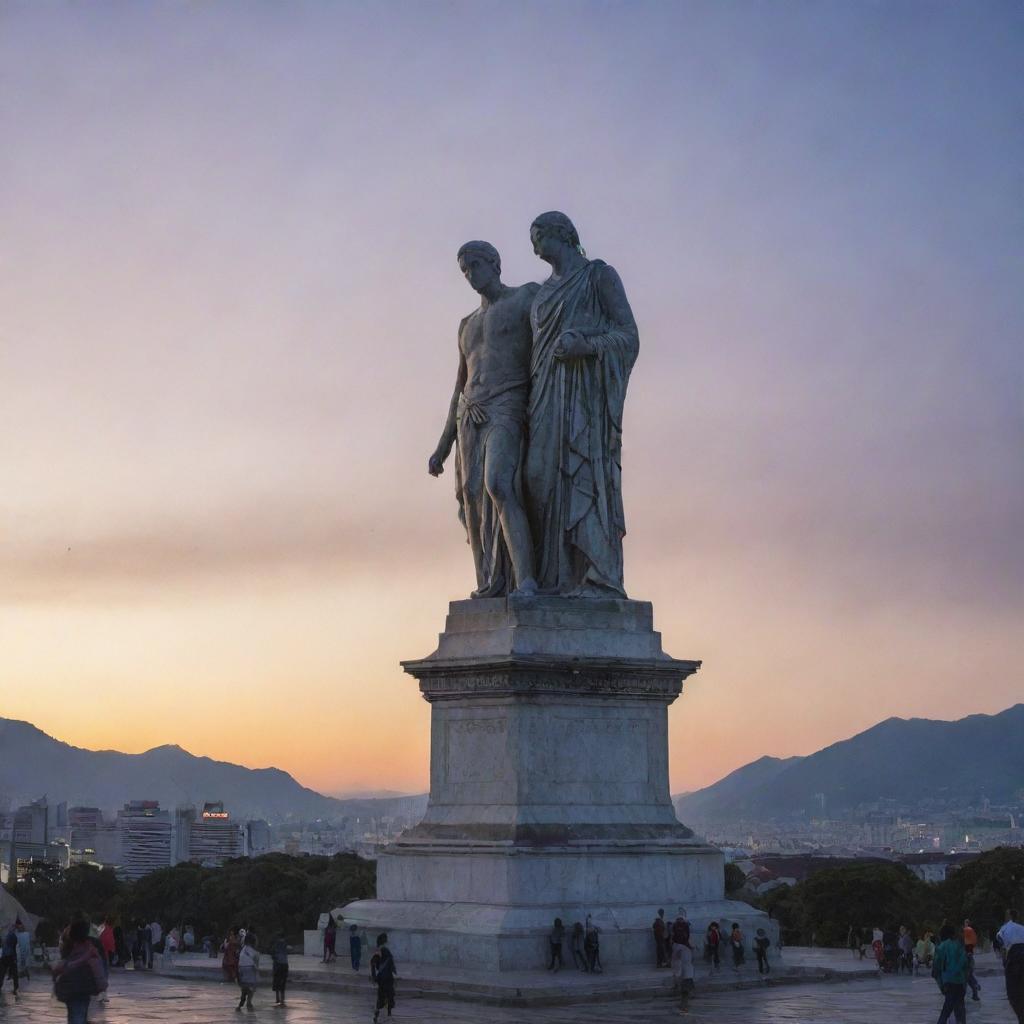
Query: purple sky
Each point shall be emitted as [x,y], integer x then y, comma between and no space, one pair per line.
[228,307]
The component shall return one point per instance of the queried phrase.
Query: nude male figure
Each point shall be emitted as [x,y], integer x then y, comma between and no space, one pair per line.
[487,420]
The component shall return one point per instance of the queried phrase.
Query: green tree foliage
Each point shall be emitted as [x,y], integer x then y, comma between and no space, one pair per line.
[827,903]
[983,889]
[272,893]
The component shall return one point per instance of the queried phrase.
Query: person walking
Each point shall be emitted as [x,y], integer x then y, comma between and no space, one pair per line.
[9,957]
[712,947]
[577,947]
[970,941]
[355,946]
[949,969]
[279,957]
[330,941]
[736,944]
[592,946]
[145,940]
[78,975]
[555,944]
[660,941]
[905,945]
[231,947]
[24,949]
[248,972]
[1011,940]
[156,935]
[761,944]
[682,960]
[383,973]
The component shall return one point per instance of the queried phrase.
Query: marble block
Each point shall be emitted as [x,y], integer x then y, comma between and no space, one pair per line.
[549,793]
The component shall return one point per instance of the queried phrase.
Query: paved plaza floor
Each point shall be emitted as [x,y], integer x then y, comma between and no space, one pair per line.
[150,998]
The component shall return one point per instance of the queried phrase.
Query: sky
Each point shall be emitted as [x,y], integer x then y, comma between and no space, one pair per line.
[228,311]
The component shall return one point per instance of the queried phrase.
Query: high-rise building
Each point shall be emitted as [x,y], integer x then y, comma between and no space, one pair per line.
[257,836]
[214,837]
[145,833]
[184,819]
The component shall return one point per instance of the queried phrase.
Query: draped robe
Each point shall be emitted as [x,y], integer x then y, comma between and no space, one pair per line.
[573,463]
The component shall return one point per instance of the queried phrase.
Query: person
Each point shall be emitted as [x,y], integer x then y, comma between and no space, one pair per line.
[949,969]
[279,958]
[890,950]
[924,952]
[555,943]
[188,939]
[592,946]
[712,947]
[248,972]
[585,342]
[156,935]
[905,945]
[761,945]
[660,943]
[231,947]
[852,939]
[970,937]
[383,974]
[487,420]
[330,938]
[145,938]
[78,975]
[9,957]
[105,935]
[736,944]
[355,946]
[577,947]
[24,949]
[1011,941]
[682,960]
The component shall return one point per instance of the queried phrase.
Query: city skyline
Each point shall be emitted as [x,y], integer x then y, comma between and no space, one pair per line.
[229,307]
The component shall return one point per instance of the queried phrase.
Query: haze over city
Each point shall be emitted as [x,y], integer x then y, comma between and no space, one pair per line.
[228,312]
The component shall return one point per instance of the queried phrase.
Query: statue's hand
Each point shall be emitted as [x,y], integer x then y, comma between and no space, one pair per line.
[435,464]
[573,345]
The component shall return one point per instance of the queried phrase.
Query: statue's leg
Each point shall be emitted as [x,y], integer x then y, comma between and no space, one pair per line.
[471,452]
[501,463]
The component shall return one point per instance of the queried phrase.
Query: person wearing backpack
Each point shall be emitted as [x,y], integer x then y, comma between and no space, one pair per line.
[682,960]
[79,974]
[383,973]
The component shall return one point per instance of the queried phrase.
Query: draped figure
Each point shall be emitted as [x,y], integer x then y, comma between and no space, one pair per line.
[585,342]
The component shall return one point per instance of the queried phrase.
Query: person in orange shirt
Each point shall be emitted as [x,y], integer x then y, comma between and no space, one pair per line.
[970,941]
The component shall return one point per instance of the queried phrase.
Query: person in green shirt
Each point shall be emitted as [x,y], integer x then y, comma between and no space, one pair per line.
[949,969]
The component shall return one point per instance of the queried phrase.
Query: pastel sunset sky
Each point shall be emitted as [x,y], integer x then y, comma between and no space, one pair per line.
[228,312]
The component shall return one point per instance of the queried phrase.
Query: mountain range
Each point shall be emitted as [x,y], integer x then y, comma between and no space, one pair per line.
[915,761]
[35,764]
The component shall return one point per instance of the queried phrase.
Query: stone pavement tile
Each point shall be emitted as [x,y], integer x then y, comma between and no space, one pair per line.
[149,999]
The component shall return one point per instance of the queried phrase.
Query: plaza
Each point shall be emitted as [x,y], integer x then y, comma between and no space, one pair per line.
[153,998]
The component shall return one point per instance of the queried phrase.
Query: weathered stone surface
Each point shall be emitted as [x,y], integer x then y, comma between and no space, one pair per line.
[549,790]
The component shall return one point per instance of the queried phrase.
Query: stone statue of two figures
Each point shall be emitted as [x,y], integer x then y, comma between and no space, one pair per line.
[536,419]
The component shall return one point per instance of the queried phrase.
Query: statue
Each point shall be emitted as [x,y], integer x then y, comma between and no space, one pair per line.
[585,342]
[487,421]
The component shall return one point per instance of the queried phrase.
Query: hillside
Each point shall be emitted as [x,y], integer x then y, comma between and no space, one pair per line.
[37,764]
[913,761]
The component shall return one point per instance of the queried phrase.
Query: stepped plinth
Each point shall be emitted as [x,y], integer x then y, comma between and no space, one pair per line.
[549,793]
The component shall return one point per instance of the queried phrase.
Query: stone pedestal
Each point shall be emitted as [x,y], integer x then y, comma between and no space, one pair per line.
[549,792]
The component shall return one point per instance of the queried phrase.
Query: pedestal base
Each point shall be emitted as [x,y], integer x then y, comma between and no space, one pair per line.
[549,793]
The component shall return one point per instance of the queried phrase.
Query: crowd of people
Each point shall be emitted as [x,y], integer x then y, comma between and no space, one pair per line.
[89,951]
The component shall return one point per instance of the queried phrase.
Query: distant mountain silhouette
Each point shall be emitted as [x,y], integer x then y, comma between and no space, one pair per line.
[35,764]
[912,761]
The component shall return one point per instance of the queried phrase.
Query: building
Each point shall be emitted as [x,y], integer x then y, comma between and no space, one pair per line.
[214,837]
[258,839]
[184,819]
[93,839]
[145,838]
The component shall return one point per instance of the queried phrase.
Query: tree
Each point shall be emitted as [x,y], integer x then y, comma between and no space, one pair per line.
[734,878]
[983,889]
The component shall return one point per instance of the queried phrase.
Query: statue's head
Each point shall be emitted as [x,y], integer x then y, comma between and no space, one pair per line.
[480,263]
[553,231]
